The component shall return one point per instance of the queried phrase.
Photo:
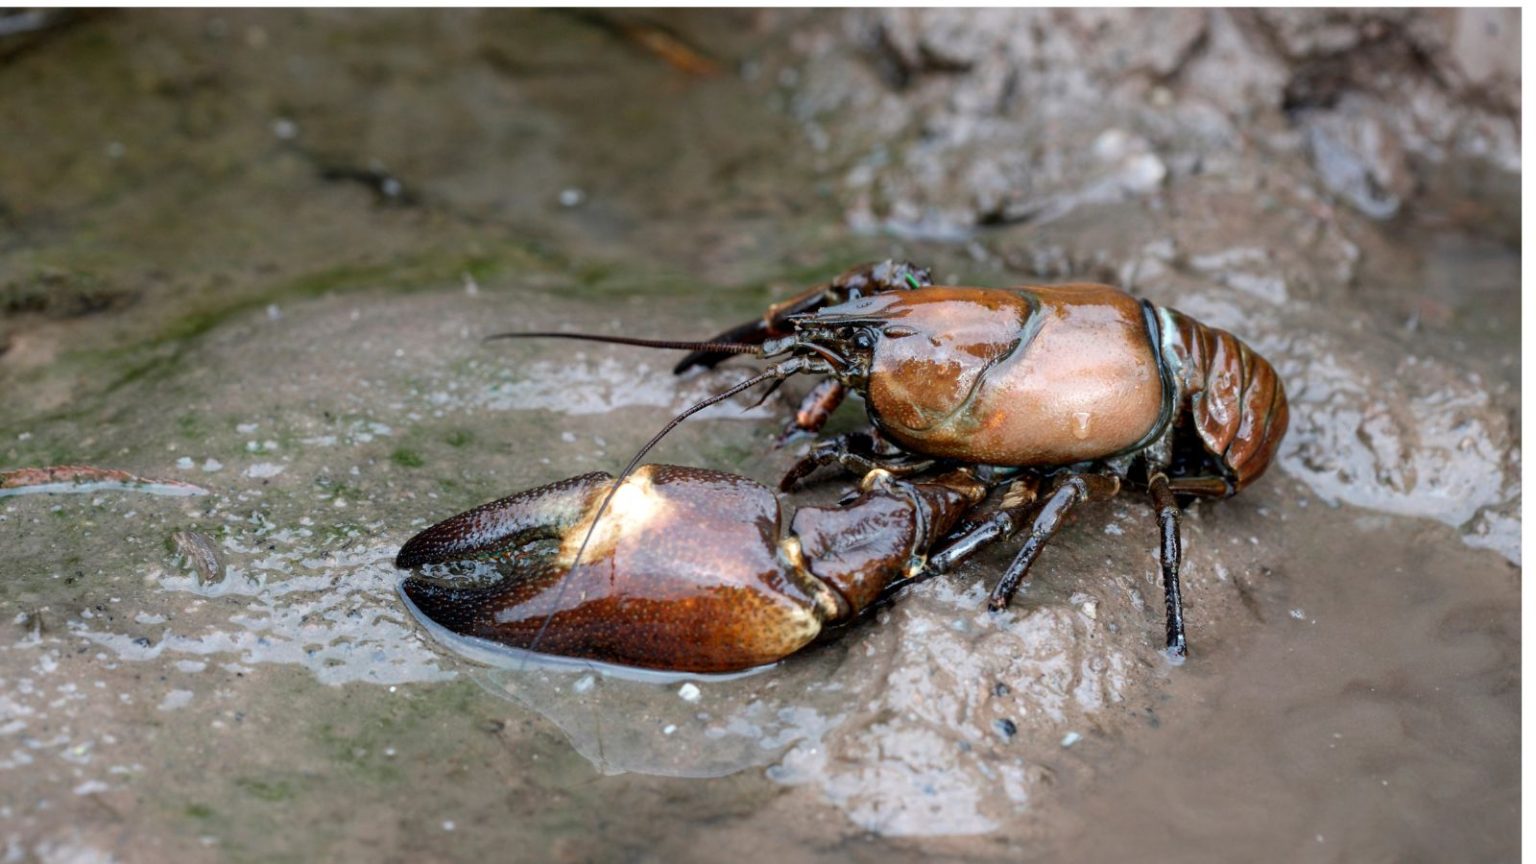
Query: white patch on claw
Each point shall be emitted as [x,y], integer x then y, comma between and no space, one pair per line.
[633,507]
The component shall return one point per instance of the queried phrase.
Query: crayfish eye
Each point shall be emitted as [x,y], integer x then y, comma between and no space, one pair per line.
[864,340]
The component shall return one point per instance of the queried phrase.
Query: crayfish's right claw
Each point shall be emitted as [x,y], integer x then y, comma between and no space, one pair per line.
[858,281]
[771,326]
[750,333]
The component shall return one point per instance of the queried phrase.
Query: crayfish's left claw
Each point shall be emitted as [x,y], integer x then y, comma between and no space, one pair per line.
[682,572]
[501,530]
[461,608]
[514,532]
[687,570]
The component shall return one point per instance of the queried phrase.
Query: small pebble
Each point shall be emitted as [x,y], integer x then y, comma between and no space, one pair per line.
[1070,738]
[201,555]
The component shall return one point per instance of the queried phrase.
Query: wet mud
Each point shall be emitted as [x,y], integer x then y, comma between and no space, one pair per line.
[258,252]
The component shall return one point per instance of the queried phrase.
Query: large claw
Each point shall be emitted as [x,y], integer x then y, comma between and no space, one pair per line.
[688,570]
[508,528]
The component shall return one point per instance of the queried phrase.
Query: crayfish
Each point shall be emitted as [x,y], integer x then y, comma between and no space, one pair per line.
[1058,394]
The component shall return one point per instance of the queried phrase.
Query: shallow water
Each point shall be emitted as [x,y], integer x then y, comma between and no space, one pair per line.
[234,675]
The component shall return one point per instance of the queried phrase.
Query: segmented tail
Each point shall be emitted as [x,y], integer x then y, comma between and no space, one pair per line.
[1230,393]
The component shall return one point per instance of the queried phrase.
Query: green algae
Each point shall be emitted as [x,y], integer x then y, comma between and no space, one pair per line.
[406,458]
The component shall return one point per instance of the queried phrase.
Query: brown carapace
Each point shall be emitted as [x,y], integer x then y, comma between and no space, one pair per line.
[1075,391]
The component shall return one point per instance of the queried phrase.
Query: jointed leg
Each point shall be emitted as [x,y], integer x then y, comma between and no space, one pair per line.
[814,410]
[1206,486]
[1065,493]
[1169,554]
[1000,525]
[859,452]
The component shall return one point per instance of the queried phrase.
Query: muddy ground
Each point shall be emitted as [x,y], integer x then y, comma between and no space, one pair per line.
[255,252]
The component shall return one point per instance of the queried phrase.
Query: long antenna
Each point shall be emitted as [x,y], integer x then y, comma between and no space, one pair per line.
[778,370]
[713,347]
